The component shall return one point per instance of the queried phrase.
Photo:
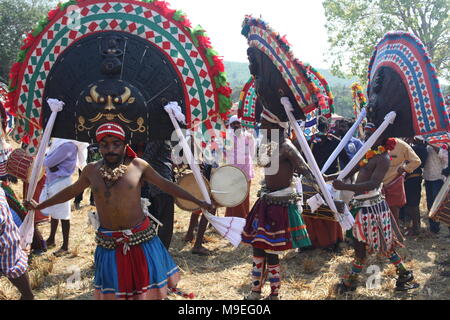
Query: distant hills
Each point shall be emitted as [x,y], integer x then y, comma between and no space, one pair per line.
[238,74]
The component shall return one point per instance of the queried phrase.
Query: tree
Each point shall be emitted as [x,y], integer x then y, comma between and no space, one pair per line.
[16,18]
[343,104]
[355,27]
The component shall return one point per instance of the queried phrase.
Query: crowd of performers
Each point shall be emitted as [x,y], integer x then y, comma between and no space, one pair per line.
[132,259]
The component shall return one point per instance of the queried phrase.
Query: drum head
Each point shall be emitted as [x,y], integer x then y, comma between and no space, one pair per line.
[188,183]
[229,186]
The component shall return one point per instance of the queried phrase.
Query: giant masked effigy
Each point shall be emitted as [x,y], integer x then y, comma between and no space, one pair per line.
[278,74]
[120,61]
[249,108]
[403,79]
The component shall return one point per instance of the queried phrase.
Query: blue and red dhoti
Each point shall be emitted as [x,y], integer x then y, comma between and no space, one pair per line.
[138,268]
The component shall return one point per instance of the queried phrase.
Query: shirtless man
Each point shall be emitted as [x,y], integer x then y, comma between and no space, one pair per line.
[130,260]
[275,224]
[375,230]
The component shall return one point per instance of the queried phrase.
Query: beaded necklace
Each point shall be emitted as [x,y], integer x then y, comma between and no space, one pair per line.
[111,176]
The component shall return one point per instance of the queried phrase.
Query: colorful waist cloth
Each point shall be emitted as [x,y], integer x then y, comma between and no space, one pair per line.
[286,197]
[275,227]
[138,267]
[374,225]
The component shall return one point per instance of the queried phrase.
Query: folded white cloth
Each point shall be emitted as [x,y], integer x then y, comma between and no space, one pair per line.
[60,211]
[315,202]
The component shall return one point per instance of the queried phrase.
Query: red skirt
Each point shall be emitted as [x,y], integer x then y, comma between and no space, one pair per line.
[323,233]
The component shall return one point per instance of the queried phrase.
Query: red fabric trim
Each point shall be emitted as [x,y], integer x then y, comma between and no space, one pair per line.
[132,269]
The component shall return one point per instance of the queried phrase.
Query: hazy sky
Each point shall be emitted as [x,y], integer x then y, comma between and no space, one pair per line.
[301,20]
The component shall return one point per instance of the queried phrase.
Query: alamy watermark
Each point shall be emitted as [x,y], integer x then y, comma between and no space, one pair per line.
[239,148]
[73,282]
[74,16]
[374,280]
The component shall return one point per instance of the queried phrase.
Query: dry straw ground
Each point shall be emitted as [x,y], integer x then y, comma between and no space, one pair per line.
[226,275]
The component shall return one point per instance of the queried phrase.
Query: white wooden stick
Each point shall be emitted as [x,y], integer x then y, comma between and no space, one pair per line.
[344,141]
[388,120]
[26,230]
[230,228]
[309,155]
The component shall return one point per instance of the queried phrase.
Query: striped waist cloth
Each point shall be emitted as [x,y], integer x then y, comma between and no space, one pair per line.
[111,240]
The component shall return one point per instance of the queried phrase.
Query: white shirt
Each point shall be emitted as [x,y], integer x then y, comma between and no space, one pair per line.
[436,162]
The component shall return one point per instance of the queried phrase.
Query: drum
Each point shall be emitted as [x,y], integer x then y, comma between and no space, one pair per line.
[324,212]
[188,183]
[20,164]
[229,186]
[441,208]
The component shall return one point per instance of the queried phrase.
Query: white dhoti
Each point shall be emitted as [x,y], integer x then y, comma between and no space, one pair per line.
[59,211]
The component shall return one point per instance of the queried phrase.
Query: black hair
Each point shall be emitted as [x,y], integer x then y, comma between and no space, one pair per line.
[323,124]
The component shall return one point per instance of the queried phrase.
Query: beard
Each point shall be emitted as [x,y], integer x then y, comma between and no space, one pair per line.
[113,160]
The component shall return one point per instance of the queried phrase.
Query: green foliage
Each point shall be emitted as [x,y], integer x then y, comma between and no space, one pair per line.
[355,27]
[237,73]
[16,18]
[343,104]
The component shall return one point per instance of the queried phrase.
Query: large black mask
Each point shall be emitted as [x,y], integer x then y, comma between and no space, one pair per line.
[116,77]
[388,93]
[270,85]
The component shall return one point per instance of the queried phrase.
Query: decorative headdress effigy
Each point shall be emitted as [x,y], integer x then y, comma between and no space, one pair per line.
[326,103]
[359,99]
[403,54]
[249,107]
[439,139]
[117,61]
[359,103]
[283,66]
[5,148]
[4,117]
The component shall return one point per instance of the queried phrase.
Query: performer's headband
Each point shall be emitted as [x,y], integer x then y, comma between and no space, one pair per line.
[269,116]
[115,130]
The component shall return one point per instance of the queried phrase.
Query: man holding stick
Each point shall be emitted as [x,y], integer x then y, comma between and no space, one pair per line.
[131,262]
[375,229]
[275,224]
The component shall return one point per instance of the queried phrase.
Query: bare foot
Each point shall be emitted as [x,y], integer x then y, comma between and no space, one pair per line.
[202,252]
[189,238]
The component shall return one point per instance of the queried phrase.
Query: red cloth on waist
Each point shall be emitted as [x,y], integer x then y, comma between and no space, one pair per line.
[395,192]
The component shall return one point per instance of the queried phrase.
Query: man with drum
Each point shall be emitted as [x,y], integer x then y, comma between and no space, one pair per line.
[404,161]
[241,155]
[275,225]
[130,260]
